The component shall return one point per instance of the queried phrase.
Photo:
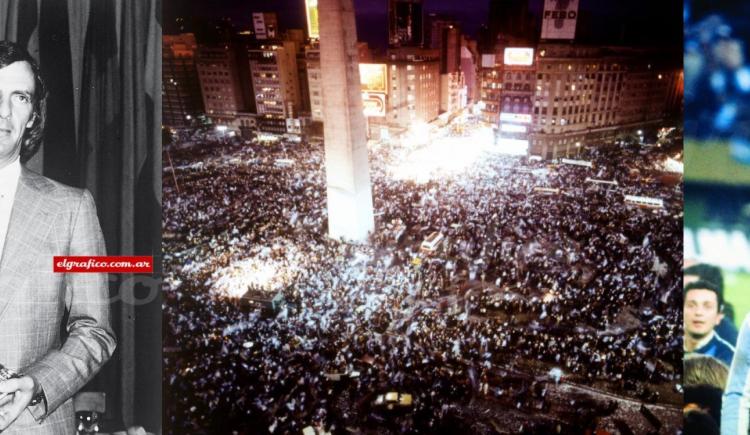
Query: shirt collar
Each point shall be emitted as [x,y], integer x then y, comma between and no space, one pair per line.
[9,175]
[704,341]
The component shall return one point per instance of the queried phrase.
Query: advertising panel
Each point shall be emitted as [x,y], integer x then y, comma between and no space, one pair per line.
[373,103]
[515,117]
[518,56]
[373,77]
[559,19]
[488,61]
[293,125]
[311,9]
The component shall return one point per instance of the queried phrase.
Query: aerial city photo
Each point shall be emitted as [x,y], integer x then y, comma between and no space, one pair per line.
[422,216]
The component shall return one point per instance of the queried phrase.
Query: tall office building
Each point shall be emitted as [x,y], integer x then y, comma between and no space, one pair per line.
[401,90]
[405,25]
[314,81]
[560,97]
[593,95]
[181,92]
[274,73]
[218,73]
[444,34]
[469,67]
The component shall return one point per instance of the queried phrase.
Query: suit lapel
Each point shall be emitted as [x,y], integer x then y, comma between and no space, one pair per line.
[17,257]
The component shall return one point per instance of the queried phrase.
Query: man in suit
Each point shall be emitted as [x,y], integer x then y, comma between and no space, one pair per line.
[54,327]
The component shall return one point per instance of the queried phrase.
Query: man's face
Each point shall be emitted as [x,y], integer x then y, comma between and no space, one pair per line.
[16,108]
[701,312]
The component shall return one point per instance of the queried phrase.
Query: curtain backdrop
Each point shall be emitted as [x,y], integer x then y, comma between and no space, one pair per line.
[101,60]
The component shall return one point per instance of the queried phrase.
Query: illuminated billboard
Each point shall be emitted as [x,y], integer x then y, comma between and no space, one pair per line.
[518,56]
[373,103]
[515,117]
[513,128]
[373,77]
[559,19]
[311,9]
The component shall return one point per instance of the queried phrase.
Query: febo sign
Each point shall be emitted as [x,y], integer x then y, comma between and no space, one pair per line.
[561,15]
[559,19]
[373,103]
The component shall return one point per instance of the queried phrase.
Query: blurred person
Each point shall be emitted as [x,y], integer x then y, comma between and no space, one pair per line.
[704,398]
[711,273]
[699,422]
[735,418]
[702,313]
[704,370]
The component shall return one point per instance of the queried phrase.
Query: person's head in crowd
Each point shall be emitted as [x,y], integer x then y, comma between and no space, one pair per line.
[708,272]
[697,422]
[704,370]
[705,272]
[702,313]
[705,398]
[702,308]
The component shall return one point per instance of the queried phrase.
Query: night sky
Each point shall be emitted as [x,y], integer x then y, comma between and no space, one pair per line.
[638,22]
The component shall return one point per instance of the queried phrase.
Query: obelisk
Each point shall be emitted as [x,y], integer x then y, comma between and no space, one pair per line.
[350,215]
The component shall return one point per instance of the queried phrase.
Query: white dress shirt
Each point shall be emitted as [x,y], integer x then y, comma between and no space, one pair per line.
[9,176]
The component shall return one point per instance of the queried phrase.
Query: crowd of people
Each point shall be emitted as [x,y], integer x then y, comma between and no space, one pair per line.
[578,282]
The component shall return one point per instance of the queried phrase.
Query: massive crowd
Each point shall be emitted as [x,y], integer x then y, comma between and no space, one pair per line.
[577,282]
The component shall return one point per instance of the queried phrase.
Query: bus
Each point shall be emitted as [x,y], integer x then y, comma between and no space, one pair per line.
[431,244]
[598,181]
[644,201]
[547,190]
[577,162]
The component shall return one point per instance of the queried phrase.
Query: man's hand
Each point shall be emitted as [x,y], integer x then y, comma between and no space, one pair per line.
[15,395]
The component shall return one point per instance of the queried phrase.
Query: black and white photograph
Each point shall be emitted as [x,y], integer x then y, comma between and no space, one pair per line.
[80,217]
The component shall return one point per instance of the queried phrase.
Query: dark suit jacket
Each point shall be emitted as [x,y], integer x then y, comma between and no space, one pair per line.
[53,326]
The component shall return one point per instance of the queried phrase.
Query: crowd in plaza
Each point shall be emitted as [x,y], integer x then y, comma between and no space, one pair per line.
[525,281]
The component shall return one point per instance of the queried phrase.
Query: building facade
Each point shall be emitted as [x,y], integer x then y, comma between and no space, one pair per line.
[220,82]
[314,82]
[181,90]
[586,96]
[452,92]
[574,96]
[405,23]
[412,91]
[469,67]
[274,73]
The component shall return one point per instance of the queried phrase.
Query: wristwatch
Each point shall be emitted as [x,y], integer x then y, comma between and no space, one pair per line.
[37,399]
[6,373]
